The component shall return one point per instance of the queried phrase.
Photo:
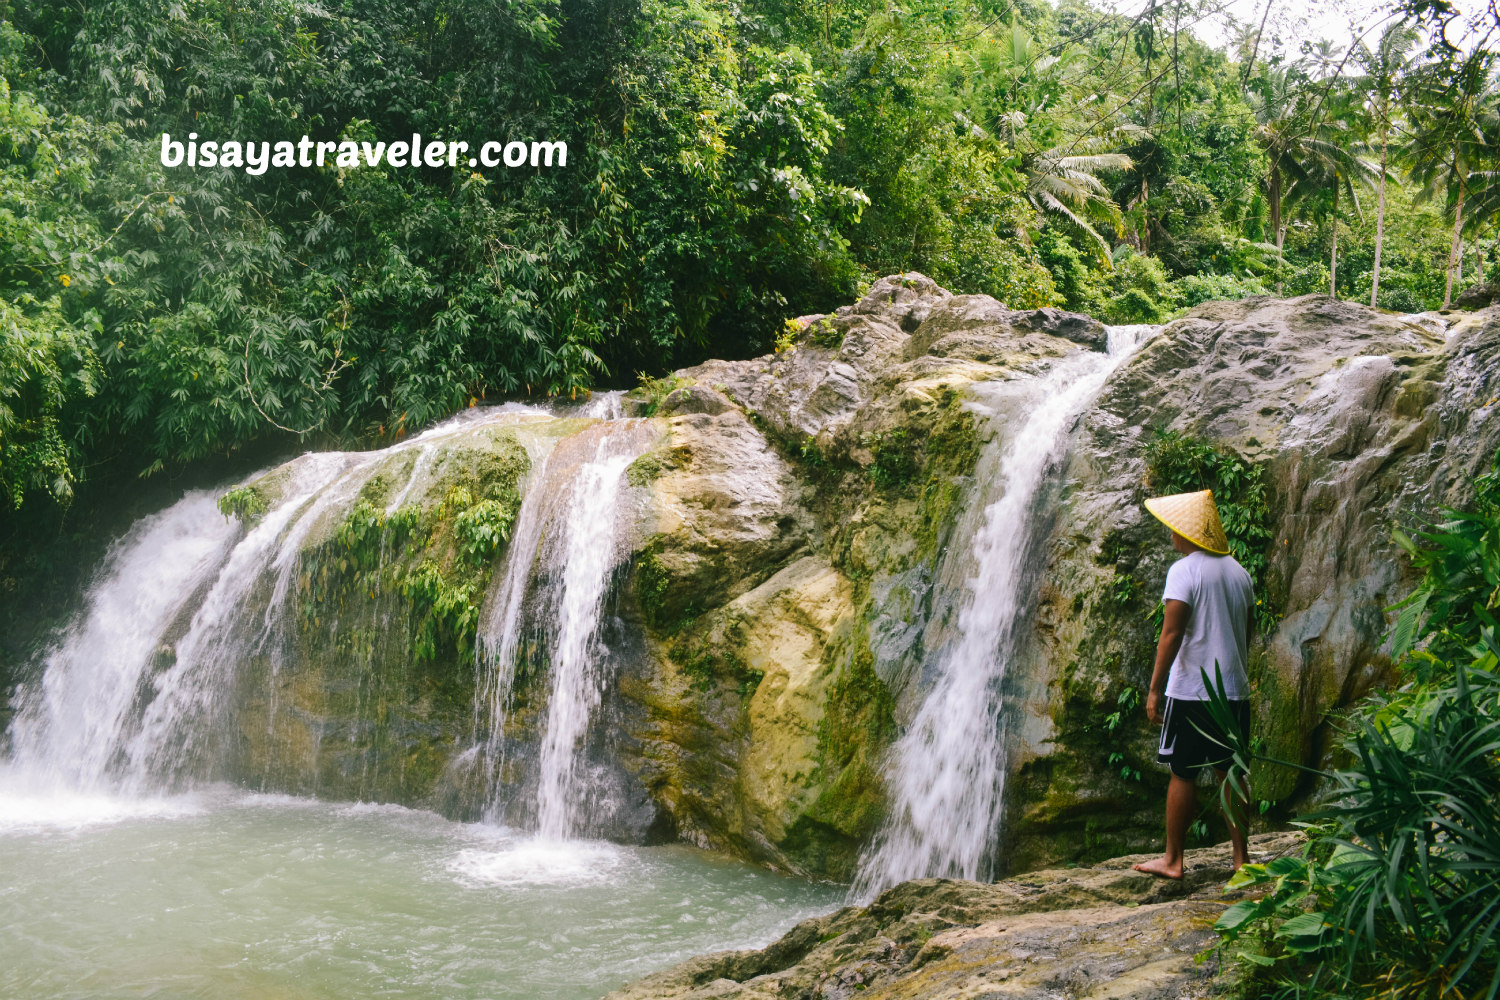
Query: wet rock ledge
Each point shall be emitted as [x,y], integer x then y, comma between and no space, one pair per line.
[1103,931]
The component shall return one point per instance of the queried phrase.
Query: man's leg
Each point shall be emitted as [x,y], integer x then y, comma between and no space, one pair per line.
[1182,801]
[1234,815]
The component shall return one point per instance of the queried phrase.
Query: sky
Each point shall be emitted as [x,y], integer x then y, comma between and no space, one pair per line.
[1293,21]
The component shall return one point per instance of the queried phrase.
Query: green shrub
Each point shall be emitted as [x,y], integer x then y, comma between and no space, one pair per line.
[244,503]
[1132,306]
[482,529]
[654,391]
[1195,289]
[1459,558]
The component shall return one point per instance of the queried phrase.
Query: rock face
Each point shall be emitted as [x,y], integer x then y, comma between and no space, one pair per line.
[1106,931]
[788,572]
[1362,422]
[784,588]
[854,452]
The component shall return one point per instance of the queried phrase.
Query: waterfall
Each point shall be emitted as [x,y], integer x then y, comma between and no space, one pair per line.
[134,693]
[947,773]
[548,607]
[68,729]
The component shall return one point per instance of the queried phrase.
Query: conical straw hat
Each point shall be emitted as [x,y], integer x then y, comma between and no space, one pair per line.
[1193,516]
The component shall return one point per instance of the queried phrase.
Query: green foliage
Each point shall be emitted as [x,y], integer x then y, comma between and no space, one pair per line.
[653,587]
[729,166]
[1139,290]
[896,460]
[822,333]
[1398,891]
[1459,559]
[436,561]
[1195,289]
[1180,463]
[654,391]
[246,504]
[446,615]
[482,529]
[1406,902]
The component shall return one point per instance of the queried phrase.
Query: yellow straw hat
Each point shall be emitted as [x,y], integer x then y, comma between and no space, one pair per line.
[1194,516]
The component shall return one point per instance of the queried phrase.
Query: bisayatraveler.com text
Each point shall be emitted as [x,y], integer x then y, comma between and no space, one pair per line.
[258,157]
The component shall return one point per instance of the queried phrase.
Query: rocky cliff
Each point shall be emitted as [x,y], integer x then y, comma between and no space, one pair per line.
[793,586]
[789,570]
[1105,931]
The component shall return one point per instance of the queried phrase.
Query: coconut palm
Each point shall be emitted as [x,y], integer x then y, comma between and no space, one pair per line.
[1453,140]
[1064,181]
[1330,167]
[1279,103]
[1304,128]
[1385,67]
[1016,89]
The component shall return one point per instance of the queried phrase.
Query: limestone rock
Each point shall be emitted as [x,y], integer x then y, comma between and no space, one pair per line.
[800,503]
[1108,931]
[1364,421]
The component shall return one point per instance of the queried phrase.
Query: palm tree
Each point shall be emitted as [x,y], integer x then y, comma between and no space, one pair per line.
[1064,181]
[1454,136]
[1384,67]
[1326,177]
[1304,135]
[1016,91]
[1280,130]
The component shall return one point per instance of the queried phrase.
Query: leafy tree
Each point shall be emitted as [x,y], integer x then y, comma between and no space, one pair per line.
[1385,67]
[1454,131]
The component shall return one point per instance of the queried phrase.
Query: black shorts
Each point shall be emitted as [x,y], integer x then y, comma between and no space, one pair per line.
[1191,740]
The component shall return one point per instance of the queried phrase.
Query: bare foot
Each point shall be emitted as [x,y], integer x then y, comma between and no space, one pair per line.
[1161,868]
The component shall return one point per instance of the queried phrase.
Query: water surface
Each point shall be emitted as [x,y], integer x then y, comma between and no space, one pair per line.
[229,895]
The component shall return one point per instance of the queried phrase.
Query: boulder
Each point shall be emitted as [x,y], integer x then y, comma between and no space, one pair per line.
[1107,931]
[1362,421]
[1478,296]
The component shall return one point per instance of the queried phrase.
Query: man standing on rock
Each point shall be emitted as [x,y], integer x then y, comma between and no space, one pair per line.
[1209,611]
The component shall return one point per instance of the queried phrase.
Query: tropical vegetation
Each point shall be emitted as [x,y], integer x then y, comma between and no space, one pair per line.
[731,166]
[1397,893]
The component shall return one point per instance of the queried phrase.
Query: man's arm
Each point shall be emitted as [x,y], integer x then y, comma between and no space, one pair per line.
[1174,621]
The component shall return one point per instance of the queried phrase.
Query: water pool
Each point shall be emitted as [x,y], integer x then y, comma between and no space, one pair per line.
[228,895]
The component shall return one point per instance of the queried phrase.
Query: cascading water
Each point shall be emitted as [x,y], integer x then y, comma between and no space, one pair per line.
[549,604]
[132,694]
[946,780]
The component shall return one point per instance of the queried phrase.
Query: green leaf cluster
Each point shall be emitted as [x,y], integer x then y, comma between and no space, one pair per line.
[1397,893]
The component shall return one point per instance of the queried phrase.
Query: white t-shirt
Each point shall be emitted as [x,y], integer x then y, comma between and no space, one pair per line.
[1219,591]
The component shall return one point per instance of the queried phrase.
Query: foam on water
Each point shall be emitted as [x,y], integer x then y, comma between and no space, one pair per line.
[28,806]
[541,862]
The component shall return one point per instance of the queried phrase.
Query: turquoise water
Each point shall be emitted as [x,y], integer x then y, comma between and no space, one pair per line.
[228,895]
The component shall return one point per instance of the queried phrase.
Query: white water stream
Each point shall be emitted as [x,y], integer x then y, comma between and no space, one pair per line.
[132,696]
[947,776]
[548,606]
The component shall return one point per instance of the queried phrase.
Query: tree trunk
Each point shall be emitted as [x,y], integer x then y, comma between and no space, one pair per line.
[1333,256]
[1276,217]
[1379,222]
[1458,228]
[1145,216]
